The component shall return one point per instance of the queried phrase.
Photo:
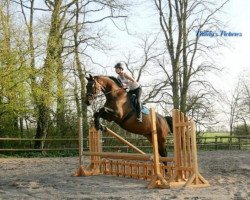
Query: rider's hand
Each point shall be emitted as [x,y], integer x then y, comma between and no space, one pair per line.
[124,85]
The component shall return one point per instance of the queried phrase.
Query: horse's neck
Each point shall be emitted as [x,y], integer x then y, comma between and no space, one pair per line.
[109,87]
[114,92]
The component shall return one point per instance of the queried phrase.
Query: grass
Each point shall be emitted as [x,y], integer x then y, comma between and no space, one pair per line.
[40,154]
[209,134]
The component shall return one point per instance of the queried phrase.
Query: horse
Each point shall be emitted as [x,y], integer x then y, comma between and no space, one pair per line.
[118,108]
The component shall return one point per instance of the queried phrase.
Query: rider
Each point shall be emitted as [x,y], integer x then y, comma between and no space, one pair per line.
[133,86]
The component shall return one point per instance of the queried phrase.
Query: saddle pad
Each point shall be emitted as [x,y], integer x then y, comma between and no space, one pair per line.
[145,110]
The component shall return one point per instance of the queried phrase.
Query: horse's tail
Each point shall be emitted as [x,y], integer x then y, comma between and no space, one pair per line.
[170,123]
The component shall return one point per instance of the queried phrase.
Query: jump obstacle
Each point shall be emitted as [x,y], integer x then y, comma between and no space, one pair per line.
[181,169]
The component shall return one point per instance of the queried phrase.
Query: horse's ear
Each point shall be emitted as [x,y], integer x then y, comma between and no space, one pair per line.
[90,78]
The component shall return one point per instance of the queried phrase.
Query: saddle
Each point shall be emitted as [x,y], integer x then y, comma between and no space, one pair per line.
[133,103]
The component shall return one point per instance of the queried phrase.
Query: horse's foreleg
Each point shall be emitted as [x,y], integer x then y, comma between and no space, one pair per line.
[105,113]
[110,112]
[100,114]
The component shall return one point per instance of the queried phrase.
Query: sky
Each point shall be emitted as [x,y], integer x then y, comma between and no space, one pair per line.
[236,58]
[233,58]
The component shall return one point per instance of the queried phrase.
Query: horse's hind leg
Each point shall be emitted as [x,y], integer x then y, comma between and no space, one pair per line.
[161,146]
[162,151]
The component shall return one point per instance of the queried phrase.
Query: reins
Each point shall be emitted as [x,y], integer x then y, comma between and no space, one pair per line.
[104,93]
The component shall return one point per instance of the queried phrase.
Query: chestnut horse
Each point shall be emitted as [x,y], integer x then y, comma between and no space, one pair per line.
[118,108]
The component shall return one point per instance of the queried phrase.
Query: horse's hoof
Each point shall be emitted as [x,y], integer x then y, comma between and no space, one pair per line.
[99,127]
[102,127]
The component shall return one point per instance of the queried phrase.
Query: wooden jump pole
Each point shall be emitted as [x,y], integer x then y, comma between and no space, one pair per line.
[196,179]
[126,156]
[123,140]
[177,126]
[185,153]
[80,171]
[80,140]
[158,181]
[94,146]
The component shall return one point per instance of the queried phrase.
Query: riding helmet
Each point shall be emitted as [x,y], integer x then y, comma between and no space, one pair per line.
[119,65]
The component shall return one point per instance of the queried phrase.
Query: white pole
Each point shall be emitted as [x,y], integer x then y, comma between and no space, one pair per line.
[80,140]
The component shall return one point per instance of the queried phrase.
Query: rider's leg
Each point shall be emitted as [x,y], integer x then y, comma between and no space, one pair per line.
[138,92]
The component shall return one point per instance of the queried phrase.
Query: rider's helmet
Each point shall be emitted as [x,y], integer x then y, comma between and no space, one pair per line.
[119,66]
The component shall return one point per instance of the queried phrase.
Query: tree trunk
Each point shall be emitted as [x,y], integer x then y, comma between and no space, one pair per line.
[42,126]
[175,85]
[21,125]
[52,61]
[60,113]
[81,75]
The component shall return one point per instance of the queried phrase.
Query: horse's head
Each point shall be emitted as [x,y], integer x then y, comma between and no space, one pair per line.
[92,89]
[107,84]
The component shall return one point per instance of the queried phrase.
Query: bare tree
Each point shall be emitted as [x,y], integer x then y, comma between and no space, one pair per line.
[140,63]
[243,116]
[86,37]
[180,20]
[231,105]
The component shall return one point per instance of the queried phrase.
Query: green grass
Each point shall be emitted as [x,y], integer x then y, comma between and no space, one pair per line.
[208,134]
[40,154]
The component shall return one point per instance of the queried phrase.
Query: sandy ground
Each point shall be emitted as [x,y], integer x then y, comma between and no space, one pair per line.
[228,172]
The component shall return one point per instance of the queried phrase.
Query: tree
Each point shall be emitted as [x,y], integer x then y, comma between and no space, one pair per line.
[234,105]
[51,72]
[243,108]
[71,31]
[85,38]
[180,21]
[13,97]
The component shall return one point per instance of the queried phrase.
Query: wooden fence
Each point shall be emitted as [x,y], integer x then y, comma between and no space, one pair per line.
[109,143]
[27,144]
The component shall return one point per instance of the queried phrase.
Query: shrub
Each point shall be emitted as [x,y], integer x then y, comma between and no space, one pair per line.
[242,130]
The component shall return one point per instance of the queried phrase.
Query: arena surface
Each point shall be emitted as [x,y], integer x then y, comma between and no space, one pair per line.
[228,173]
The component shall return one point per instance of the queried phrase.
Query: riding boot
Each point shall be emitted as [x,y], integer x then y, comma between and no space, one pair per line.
[139,115]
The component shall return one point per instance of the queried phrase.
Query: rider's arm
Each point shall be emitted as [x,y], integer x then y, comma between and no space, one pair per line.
[129,77]
[123,84]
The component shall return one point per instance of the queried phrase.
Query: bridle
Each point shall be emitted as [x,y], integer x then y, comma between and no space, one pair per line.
[98,88]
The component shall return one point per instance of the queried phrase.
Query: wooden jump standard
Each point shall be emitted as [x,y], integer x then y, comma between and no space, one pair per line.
[182,169]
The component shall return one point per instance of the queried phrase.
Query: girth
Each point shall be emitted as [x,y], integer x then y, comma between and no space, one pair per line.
[127,116]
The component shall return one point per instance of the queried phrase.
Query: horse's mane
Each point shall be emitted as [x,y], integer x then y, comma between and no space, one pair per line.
[117,81]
